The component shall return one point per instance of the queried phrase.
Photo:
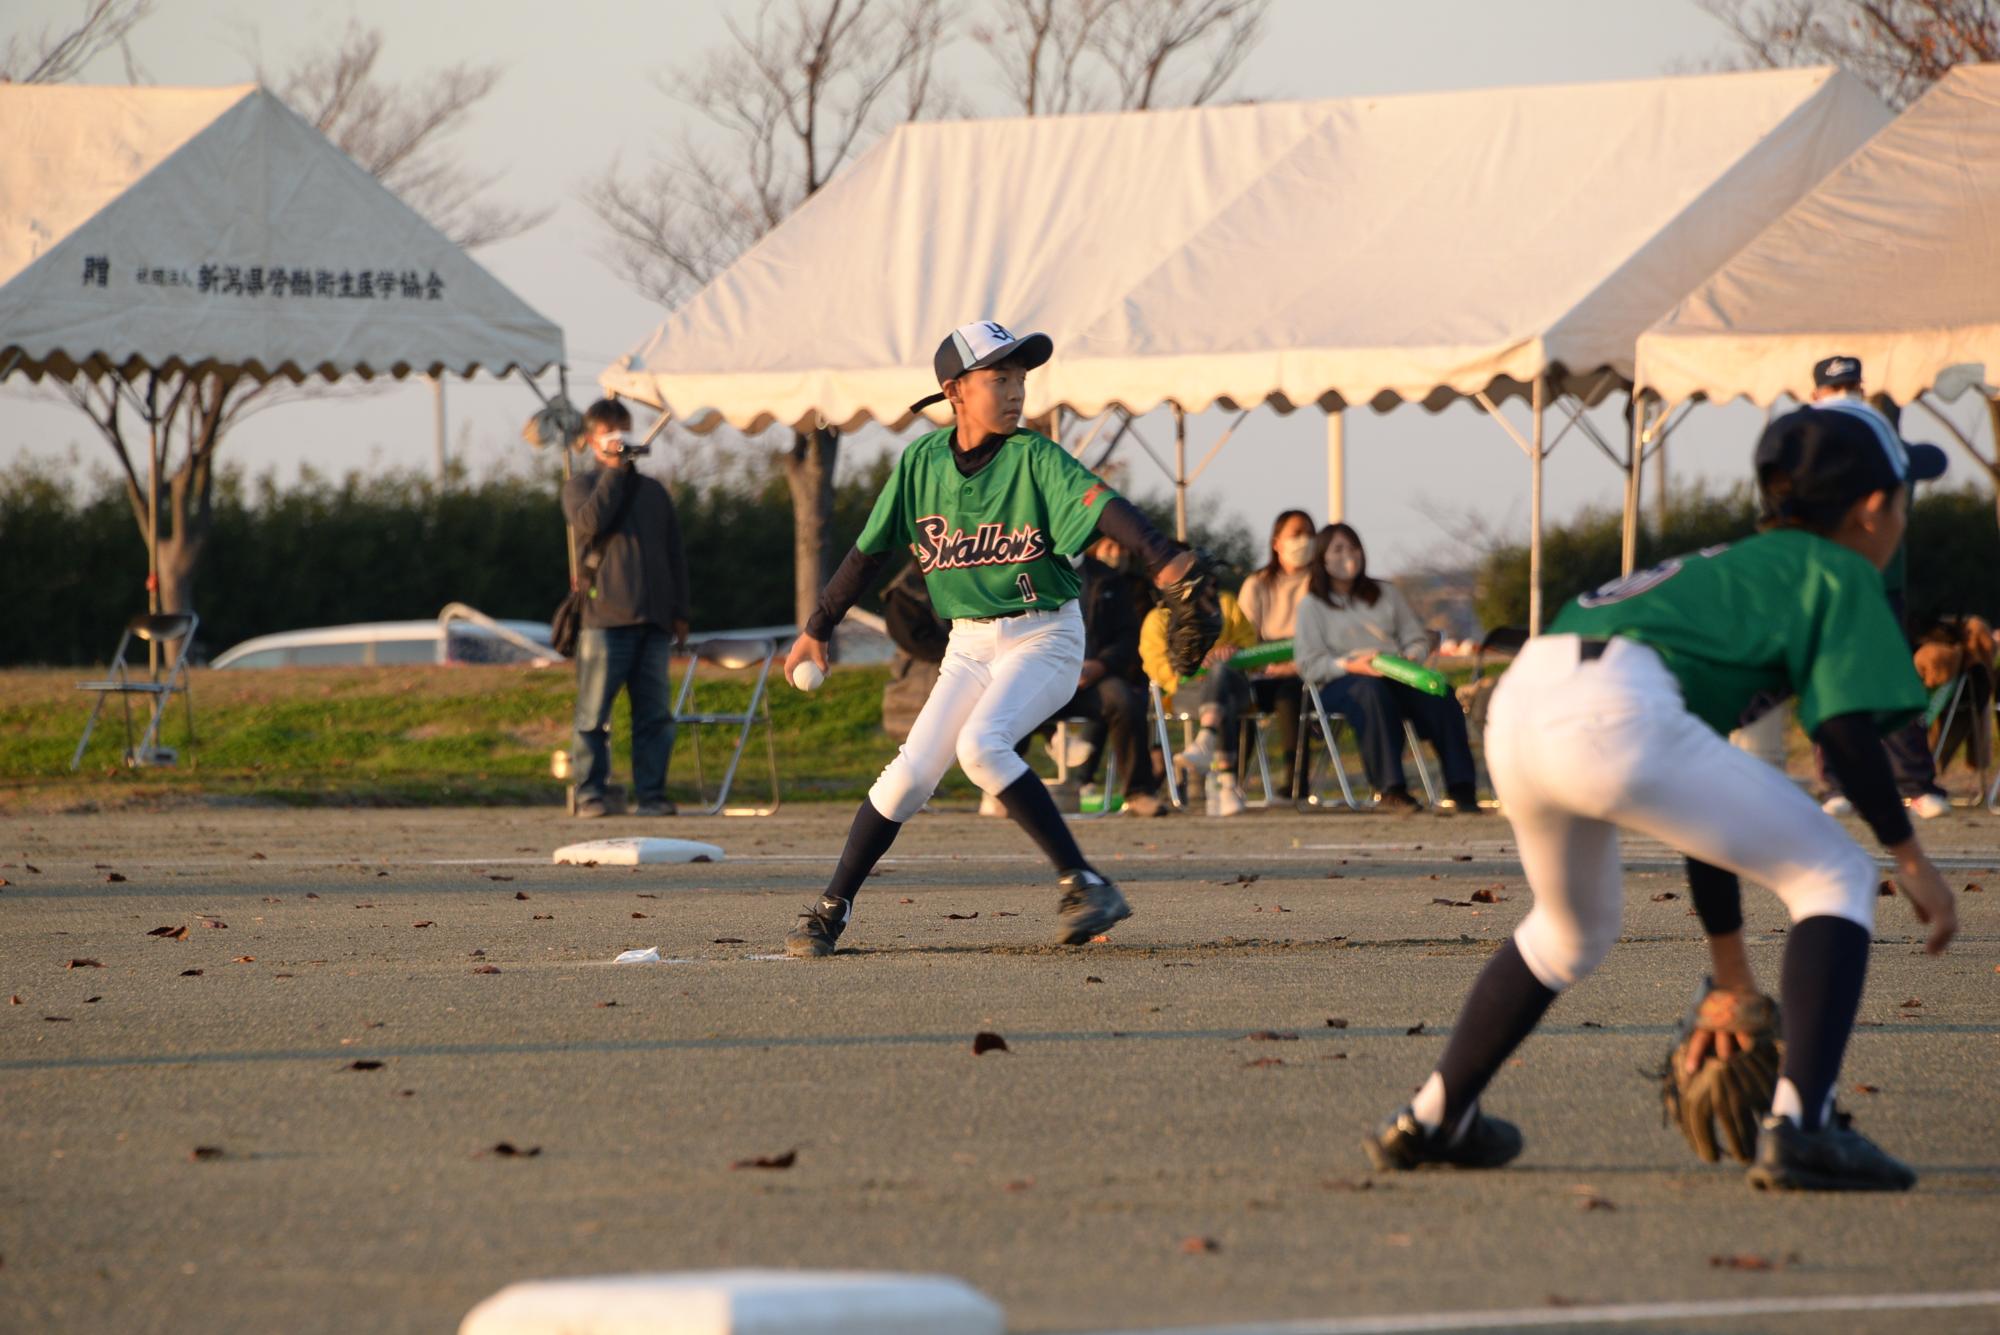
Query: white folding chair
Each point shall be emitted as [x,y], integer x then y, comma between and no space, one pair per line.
[733,656]
[166,629]
[1327,735]
[1250,728]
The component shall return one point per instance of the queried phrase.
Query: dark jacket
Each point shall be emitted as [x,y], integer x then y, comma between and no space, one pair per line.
[1110,618]
[643,577]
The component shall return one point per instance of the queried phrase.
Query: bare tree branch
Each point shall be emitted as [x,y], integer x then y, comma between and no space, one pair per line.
[1899,47]
[1147,42]
[400,133]
[58,57]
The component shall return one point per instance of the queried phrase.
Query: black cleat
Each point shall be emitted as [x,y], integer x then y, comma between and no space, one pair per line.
[1090,905]
[1402,1143]
[1834,1158]
[819,927]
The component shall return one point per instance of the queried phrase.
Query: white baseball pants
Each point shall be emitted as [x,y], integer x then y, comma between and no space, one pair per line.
[1581,748]
[1000,679]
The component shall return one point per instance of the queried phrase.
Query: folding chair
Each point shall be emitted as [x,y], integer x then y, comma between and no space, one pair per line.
[1329,737]
[165,629]
[730,655]
[1249,731]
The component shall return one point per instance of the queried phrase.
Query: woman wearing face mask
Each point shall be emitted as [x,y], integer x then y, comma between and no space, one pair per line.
[1343,622]
[1270,599]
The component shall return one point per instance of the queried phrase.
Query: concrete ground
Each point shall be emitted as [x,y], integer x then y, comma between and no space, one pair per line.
[1169,1140]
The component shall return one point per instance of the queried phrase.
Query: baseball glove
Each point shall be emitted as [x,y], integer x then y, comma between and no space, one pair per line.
[1734,1091]
[1194,615]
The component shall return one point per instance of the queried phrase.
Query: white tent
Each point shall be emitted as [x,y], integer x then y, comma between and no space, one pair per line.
[1893,258]
[1369,250]
[179,228]
[150,234]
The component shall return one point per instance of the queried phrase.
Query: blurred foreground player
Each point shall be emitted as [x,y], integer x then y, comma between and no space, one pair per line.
[993,515]
[1618,718]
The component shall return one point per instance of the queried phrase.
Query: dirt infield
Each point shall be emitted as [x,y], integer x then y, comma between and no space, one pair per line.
[364,1005]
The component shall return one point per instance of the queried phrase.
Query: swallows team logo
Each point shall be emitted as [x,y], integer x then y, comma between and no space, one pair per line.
[941,547]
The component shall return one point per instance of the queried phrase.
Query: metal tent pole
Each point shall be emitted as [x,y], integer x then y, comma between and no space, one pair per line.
[437,444]
[1535,460]
[1629,556]
[152,513]
[1336,466]
[1180,473]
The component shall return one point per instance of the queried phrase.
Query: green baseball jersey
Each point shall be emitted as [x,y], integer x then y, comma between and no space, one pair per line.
[1743,626]
[998,541]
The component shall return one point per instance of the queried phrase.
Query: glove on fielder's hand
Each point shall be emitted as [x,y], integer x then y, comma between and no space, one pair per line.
[1194,615]
[1734,1091]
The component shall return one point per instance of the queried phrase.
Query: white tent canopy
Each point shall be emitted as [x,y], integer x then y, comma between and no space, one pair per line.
[1362,250]
[170,229]
[1893,258]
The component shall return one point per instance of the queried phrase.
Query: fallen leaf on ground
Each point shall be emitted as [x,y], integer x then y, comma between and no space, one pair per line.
[258,857]
[57,1019]
[1665,896]
[548,917]
[520,894]
[1454,903]
[477,954]
[487,968]
[1594,1203]
[1868,1089]
[1265,1061]
[1336,1023]
[244,959]
[1200,1246]
[1591,1024]
[906,900]
[203,1153]
[190,973]
[1487,897]
[84,964]
[646,895]
[602,1004]
[986,1041]
[1971,888]
[1005,913]
[171,933]
[1461,857]
[1743,1261]
[963,917]
[1334,876]
[363,1066]
[425,923]
[637,914]
[312,894]
[785,1160]
[1273,1036]
[506,1149]
[1092,978]
[728,941]
[1416,1028]
[1911,1004]
[494,876]
[16,1000]
[113,878]
[29,866]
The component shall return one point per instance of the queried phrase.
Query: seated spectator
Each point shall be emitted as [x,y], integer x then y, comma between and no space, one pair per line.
[1270,599]
[1105,689]
[1346,619]
[1217,700]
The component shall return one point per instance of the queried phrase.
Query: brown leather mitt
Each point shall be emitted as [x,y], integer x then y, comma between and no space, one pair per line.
[1732,1092]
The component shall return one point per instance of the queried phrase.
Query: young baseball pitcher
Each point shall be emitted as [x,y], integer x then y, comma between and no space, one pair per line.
[993,515]
[1618,718]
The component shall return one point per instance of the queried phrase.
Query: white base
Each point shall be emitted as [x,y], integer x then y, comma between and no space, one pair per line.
[637,852]
[738,1302]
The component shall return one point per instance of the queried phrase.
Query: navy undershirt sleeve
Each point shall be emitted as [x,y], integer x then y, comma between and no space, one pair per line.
[849,582]
[1718,897]
[1123,524]
[1855,754]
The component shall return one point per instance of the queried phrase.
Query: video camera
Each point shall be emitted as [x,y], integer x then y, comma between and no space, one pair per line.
[630,449]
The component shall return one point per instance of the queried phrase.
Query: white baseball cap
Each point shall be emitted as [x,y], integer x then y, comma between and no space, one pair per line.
[983,343]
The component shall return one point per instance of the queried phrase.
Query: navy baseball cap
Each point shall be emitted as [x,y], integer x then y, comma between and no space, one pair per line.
[983,343]
[1835,453]
[1837,371]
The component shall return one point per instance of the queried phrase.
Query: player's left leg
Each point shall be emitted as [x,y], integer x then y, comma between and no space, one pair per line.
[1731,810]
[1034,671]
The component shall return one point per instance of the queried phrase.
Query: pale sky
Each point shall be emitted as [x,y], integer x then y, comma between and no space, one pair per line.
[579,90]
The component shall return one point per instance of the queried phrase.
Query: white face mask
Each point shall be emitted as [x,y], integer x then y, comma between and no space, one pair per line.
[1294,551]
[1343,565]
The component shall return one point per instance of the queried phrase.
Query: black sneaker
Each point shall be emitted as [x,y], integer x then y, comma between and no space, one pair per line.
[1402,1143]
[1396,802]
[1090,905]
[819,927]
[1834,1158]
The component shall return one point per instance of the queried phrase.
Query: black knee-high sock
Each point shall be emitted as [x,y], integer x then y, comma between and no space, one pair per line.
[867,840]
[1027,800]
[1826,963]
[1507,1001]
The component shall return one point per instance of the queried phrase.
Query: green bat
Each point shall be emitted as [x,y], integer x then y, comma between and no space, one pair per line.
[1257,656]
[1414,675]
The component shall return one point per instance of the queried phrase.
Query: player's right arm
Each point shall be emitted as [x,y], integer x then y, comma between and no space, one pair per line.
[887,526]
[1855,754]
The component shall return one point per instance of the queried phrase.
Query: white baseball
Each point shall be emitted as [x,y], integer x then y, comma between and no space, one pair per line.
[807,676]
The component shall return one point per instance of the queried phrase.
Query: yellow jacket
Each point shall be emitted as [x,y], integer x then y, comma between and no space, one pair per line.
[1236,630]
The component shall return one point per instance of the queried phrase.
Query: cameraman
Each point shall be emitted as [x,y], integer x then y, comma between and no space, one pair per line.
[638,609]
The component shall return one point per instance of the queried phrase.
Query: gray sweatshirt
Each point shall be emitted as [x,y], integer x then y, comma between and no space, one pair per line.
[1326,634]
[644,575]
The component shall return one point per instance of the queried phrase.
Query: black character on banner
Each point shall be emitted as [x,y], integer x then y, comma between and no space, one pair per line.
[97,269]
[434,287]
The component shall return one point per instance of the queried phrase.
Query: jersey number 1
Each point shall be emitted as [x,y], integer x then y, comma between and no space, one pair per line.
[1027,587]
